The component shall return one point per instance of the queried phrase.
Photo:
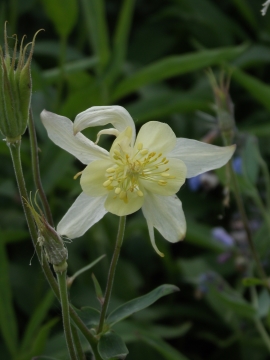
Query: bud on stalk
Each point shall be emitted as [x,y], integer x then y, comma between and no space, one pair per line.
[15,89]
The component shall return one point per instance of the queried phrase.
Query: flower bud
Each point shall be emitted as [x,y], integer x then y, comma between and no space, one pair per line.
[50,241]
[15,89]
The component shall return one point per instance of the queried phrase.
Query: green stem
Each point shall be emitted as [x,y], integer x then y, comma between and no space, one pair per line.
[244,218]
[119,241]
[62,282]
[16,159]
[35,168]
[77,343]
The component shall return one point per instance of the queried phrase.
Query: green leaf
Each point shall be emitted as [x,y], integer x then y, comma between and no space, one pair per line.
[89,316]
[39,342]
[173,66]
[140,303]
[163,105]
[166,350]
[8,324]
[63,14]
[253,282]
[111,346]
[36,320]
[120,40]
[259,90]
[94,12]
[250,160]
[98,290]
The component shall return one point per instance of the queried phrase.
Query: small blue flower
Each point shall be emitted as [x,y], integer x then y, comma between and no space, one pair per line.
[222,236]
[194,183]
[237,165]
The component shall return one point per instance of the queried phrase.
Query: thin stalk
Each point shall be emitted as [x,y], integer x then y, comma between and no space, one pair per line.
[118,244]
[16,159]
[244,218]
[77,343]
[62,282]
[35,168]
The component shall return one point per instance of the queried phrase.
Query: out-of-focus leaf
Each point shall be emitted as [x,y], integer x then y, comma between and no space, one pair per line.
[163,105]
[9,236]
[255,55]
[223,298]
[140,303]
[258,90]
[263,303]
[89,316]
[250,163]
[63,14]
[75,66]
[111,346]
[247,12]
[39,341]
[120,41]
[174,66]
[253,282]
[166,350]
[36,320]
[94,12]
[8,323]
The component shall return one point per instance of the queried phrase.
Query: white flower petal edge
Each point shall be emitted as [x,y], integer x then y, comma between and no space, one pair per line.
[84,213]
[116,115]
[60,131]
[166,215]
[200,157]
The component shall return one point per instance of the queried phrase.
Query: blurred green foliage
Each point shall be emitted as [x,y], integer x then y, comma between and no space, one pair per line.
[150,57]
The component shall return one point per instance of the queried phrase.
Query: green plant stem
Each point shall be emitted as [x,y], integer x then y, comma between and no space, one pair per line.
[77,343]
[16,159]
[62,282]
[244,218]
[35,168]
[118,244]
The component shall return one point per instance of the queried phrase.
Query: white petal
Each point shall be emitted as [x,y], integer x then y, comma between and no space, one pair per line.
[103,115]
[166,215]
[83,214]
[200,157]
[152,238]
[60,131]
[156,137]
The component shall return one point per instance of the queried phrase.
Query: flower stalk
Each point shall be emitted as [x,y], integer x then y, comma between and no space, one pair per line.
[62,282]
[118,244]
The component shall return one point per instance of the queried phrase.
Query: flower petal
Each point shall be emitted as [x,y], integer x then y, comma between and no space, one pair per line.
[166,215]
[152,238]
[93,177]
[200,157]
[156,137]
[83,214]
[60,131]
[177,169]
[117,206]
[103,115]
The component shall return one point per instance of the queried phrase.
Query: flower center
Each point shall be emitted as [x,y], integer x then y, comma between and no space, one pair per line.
[126,174]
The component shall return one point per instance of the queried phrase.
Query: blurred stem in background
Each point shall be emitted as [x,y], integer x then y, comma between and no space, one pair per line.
[225,113]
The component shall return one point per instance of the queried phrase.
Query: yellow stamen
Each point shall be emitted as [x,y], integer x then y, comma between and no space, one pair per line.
[117,190]
[140,146]
[107,183]
[140,193]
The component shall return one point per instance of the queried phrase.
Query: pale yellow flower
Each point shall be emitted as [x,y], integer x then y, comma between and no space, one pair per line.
[145,172]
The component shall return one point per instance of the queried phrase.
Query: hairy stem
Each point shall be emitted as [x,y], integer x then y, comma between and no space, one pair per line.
[62,282]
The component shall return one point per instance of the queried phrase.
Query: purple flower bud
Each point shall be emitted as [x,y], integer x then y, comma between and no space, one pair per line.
[194,183]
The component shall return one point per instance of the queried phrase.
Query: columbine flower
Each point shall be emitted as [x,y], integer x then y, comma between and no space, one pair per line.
[143,173]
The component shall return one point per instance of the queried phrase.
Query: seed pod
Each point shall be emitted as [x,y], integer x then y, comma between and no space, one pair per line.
[15,89]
